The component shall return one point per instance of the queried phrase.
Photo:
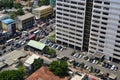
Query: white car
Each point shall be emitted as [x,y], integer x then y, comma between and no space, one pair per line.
[112,68]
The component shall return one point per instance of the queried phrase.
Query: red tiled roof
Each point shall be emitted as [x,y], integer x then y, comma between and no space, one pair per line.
[43,74]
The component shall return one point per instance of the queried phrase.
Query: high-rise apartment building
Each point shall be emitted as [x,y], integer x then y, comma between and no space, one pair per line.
[105,29]
[70,21]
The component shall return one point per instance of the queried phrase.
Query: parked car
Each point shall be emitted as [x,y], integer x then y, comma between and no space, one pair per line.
[112,68]
[77,55]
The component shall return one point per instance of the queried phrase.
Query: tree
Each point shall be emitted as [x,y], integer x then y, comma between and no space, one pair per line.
[17,5]
[43,2]
[50,51]
[59,68]
[37,64]
[11,75]
[20,12]
[13,15]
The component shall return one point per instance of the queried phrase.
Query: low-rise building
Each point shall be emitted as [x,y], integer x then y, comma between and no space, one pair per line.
[30,60]
[12,57]
[36,46]
[42,12]
[25,21]
[2,17]
[44,73]
[9,26]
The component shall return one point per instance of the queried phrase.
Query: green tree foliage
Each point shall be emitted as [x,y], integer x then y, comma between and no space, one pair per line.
[43,2]
[59,68]
[12,75]
[50,51]
[20,12]
[13,15]
[37,64]
[17,5]
[6,4]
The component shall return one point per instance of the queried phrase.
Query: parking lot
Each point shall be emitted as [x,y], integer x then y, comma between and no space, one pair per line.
[80,58]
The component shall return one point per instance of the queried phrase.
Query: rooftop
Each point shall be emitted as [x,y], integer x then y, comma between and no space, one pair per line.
[43,74]
[42,7]
[8,21]
[12,57]
[30,60]
[3,16]
[26,16]
[37,45]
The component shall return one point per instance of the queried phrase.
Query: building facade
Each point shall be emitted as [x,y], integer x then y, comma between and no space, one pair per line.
[8,26]
[2,17]
[105,29]
[70,21]
[25,21]
[42,12]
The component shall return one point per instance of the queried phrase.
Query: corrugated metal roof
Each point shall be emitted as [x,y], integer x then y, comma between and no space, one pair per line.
[37,45]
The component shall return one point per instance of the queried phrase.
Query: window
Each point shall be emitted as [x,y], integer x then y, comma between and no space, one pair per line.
[118,31]
[96,11]
[73,2]
[81,4]
[93,39]
[117,41]
[96,16]
[100,50]
[117,46]
[116,55]
[102,37]
[94,30]
[105,8]
[101,41]
[73,7]
[103,32]
[95,26]
[99,7]
[107,3]
[104,23]
[116,50]
[101,46]
[94,35]
[98,2]
[117,36]
[104,28]
[104,18]
[95,21]
[104,13]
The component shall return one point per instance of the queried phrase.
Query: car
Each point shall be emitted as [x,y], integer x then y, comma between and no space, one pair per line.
[85,58]
[97,71]
[59,47]
[85,66]
[106,65]
[55,46]
[116,68]
[23,42]
[112,68]
[76,55]
[47,42]
[109,67]
[80,56]
[51,44]
[93,61]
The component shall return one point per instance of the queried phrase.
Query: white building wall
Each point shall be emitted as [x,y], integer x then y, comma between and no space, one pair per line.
[104,27]
[70,18]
